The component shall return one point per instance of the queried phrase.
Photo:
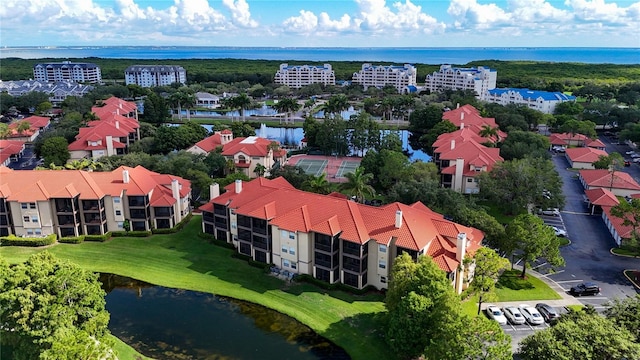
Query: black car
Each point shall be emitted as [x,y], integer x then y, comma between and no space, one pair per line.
[587,288]
[549,313]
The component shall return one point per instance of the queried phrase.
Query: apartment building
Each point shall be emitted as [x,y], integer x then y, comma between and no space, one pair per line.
[543,101]
[57,91]
[479,80]
[333,238]
[67,71]
[37,124]
[297,76]
[155,75]
[403,78]
[76,202]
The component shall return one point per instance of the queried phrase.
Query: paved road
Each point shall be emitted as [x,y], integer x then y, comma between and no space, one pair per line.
[588,257]
[28,161]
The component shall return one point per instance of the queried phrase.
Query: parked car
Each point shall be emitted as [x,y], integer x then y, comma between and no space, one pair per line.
[634,155]
[630,152]
[559,232]
[549,211]
[559,149]
[636,160]
[513,315]
[532,315]
[494,312]
[627,163]
[549,313]
[587,288]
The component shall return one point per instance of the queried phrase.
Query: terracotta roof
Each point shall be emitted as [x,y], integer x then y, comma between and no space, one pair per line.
[602,197]
[565,138]
[9,148]
[296,210]
[469,116]
[623,230]
[603,178]
[210,143]
[595,144]
[251,146]
[459,136]
[585,154]
[473,154]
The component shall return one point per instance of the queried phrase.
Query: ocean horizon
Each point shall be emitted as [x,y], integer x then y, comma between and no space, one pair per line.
[411,55]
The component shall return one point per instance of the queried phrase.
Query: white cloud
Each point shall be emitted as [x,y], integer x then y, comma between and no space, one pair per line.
[374,17]
[240,13]
[596,10]
[468,13]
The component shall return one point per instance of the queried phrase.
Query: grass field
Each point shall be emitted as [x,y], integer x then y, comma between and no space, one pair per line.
[185,261]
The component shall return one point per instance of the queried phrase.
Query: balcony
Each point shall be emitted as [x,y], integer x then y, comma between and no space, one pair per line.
[90,206]
[66,220]
[163,211]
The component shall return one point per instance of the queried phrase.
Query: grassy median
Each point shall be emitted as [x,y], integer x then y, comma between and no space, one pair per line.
[185,261]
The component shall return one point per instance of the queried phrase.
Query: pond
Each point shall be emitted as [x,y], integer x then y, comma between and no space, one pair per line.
[165,323]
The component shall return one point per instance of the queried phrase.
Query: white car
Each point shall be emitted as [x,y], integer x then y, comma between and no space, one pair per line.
[559,232]
[531,314]
[514,315]
[634,155]
[630,152]
[494,312]
[549,212]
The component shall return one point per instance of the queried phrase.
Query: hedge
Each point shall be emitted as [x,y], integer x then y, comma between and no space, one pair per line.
[176,228]
[72,239]
[131,233]
[13,240]
[101,238]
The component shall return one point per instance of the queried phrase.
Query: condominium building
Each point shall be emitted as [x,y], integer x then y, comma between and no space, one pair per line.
[543,101]
[76,202]
[297,76]
[155,75]
[67,71]
[479,80]
[403,78]
[333,238]
[58,91]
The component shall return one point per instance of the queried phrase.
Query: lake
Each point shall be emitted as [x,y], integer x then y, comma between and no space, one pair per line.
[165,323]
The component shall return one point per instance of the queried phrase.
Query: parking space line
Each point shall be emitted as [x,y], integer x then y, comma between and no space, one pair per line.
[553,273]
[537,266]
[567,281]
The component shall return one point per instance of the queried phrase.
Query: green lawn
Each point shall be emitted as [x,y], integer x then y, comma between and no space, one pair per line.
[125,352]
[625,251]
[493,210]
[511,287]
[185,261]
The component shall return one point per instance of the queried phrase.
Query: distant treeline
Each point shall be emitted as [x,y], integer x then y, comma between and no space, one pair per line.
[531,74]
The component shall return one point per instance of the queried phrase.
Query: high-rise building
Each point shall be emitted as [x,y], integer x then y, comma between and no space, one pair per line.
[155,75]
[403,78]
[297,76]
[67,71]
[480,80]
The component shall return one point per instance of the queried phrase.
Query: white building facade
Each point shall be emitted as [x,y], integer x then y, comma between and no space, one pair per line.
[379,76]
[297,76]
[480,80]
[543,101]
[67,71]
[155,75]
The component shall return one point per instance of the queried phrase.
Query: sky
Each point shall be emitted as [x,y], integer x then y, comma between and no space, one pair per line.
[326,23]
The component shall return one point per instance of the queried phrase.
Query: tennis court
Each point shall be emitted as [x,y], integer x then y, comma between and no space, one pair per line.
[312,167]
[347,167]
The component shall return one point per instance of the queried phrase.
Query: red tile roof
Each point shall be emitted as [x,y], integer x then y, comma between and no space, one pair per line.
[210,143]
[585,154]
[595,143]
[296,210]
[251,146]
[473,154]
[9,148]
[565,138]
[603,179]
[623,230]
[602,197]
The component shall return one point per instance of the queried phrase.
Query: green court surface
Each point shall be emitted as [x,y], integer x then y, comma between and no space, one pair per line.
[312,167]
[347,167]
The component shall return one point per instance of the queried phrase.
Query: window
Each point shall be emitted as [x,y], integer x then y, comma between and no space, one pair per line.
[233,225]
[118,212]
[383,279]
[292,235]
[382,264]
[25,218]
[29,232]
[382,248]
[469,179]
[120,225]
[24,205]
[286,263]
[34,218]
[116,200]
[32,205]
[292,250]
[38,231]
[294,265]
[284,249]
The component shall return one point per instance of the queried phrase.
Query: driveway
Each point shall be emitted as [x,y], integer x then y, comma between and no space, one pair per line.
[587,257]
[27,161]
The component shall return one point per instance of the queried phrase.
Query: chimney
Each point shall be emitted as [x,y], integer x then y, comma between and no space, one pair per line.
[125,176]
[117,124]
[461,116]
[453,144]
[461,125]
[461,248]
[109,140]
[398,219]
[458,106]
[457,179]
[238,186]
[214,191]
[175,192]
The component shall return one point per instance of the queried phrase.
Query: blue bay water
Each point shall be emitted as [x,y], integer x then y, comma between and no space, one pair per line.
[433,56]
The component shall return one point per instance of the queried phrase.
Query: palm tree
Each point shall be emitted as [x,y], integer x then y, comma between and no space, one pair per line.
[358,184]
[83,164]
[240,102]
[180,99]
[288,105]
[317,184]
[5,131]
[336,104]
[260,170]
[490,133]
[23,126]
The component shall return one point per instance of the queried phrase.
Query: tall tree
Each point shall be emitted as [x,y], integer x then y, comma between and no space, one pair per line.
[55,150]
[580,335]
[241,102]
[53,309]
[358,184]
[533,239]
[488,267]
[317,184]
[335,105]
[156,110]
[626,313]
[612,162]
[521,144]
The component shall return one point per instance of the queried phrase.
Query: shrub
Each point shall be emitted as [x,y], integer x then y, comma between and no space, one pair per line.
[176,228]
[71,239]
[13,240]
[101,238]
[118,233]
[139,233]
